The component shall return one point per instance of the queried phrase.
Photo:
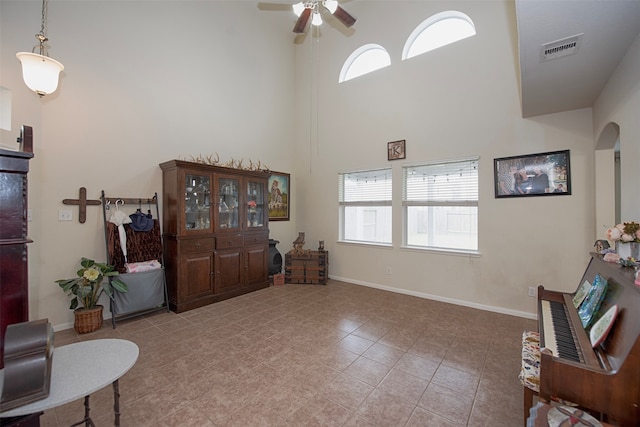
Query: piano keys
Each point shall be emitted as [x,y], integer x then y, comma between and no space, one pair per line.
[605,379]
[560,337]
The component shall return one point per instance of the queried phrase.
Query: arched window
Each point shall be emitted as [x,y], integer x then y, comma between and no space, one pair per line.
[436,31]
[363,60]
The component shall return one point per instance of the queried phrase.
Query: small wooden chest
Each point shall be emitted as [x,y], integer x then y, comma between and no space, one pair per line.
[309,267]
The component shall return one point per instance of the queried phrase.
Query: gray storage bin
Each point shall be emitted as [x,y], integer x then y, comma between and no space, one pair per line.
[146,290]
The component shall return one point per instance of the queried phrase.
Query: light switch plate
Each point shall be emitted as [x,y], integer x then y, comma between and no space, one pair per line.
[65,215]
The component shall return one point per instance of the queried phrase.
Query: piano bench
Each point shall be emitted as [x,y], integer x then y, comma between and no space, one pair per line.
[530,371]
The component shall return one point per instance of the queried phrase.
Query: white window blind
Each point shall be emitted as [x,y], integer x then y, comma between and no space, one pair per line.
[365,206]
[453,183]
[440,202]
[367,186]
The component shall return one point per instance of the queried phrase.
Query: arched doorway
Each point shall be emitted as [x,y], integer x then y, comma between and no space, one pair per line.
[607,179]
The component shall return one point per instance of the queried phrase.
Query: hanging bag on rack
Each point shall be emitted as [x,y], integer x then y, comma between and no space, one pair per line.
[141,221]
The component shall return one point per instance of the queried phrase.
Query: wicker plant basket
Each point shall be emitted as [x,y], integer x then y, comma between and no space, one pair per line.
[88,319]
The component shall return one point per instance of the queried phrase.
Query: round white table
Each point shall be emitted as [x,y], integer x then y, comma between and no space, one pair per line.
[80,369]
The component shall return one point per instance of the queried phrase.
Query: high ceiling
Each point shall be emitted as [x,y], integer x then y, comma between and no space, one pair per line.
[573,81]
[607,29]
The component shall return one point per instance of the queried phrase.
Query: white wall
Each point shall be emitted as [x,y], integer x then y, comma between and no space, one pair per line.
[458,101]
[149,81]
[619,103]
[144,82]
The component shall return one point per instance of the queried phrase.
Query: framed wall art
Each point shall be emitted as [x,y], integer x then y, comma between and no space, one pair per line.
[396,150]
[542,174]
[279,196]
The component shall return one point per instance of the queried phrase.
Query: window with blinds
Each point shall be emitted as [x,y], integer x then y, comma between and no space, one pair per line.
[365,206]
[440,202]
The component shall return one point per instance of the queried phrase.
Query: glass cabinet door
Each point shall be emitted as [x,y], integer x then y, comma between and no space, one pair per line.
[197,196]
[228,200]
[255,204]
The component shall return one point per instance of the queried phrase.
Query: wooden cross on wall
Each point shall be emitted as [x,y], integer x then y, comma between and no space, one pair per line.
[82,203]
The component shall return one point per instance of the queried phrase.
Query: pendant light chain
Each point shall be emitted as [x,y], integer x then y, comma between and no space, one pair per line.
[41,36]
[312,79]
[317,87]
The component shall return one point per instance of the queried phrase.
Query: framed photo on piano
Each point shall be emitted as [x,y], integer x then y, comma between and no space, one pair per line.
[541,174]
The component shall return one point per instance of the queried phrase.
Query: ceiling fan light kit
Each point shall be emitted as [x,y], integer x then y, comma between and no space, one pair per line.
[309,9]
[298,8]
[317,19]
[331,5]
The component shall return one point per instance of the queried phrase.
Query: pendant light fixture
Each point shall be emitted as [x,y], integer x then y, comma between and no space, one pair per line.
[39,72]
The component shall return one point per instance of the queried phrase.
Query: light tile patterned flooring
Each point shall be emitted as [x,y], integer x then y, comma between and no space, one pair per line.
[313,355]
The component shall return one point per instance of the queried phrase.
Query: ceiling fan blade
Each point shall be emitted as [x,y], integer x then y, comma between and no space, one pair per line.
[344,17]
[301,24]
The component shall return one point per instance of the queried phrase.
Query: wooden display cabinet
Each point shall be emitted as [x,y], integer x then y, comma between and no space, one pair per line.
[216,235]
[14,283]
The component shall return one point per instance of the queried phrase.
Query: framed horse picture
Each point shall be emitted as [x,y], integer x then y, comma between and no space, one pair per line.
[279,196]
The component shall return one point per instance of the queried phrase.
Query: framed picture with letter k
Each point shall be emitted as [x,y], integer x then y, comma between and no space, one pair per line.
[396,150]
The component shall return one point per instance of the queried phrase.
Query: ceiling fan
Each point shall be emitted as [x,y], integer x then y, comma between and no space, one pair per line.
[311,9]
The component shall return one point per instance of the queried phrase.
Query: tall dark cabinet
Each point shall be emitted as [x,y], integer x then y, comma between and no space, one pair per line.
[14,284]
[215,232]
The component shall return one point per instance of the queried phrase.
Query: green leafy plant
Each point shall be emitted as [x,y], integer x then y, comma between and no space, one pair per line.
[91,283]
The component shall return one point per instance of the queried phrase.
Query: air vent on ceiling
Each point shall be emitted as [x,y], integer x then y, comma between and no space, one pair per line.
[560,48]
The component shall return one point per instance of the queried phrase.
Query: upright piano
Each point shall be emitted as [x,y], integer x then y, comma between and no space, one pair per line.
[605,379]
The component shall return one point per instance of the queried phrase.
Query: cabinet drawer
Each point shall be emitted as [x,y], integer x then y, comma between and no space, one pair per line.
[229,241]
[256,238]
[196,245]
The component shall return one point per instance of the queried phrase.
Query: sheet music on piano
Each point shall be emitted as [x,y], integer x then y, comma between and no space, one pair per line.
[589,309]
[560,335]
[605,379]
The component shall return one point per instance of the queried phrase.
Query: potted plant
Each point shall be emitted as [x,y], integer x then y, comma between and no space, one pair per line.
[86,289]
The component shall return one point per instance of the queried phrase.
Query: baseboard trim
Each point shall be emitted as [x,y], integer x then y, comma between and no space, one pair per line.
[491,308]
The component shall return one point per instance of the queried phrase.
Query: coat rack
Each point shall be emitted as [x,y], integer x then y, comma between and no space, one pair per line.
[147,289]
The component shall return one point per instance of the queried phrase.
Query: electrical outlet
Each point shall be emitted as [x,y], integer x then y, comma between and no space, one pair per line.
[65,215]
[29,215]
[533,291]
[389,270]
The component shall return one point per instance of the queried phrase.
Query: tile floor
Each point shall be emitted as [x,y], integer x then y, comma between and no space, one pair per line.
[313,355]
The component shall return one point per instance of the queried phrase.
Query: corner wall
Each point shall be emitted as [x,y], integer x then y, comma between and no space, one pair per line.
[144,82]
[619,103]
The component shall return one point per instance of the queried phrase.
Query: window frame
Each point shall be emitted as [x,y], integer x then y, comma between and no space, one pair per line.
[427,23]
[358,54]
[406,204]
[373,203]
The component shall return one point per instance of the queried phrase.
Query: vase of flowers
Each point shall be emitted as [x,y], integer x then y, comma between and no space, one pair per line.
[86,289]
[627,239]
